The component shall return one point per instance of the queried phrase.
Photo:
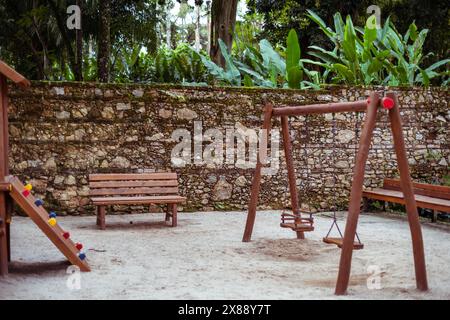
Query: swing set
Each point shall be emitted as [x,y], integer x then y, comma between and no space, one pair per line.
[301,224]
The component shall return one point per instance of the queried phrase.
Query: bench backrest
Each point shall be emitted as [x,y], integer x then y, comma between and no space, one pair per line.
[141,184]
[423,189]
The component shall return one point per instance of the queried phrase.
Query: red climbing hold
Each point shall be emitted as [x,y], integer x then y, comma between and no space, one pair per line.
[26,193]
[79,246]
[387,103]
[66,235]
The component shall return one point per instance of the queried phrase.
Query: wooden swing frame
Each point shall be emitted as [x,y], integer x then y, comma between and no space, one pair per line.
[370,107]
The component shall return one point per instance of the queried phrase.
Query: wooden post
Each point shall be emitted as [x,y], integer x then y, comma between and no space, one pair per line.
[4,253]
[408,194]
[290,169]
[356,195]
[256,183]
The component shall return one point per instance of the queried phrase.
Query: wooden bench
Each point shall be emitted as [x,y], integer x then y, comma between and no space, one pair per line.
[428,196]
[135,189]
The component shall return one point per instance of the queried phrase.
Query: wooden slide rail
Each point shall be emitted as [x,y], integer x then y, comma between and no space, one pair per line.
[370,107]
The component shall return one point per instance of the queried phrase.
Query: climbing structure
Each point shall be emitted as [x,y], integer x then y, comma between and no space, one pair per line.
[13,191]
[371,108]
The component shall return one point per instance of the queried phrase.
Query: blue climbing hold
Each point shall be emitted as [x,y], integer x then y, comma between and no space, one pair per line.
[39,202]
[82,256]
[52,215]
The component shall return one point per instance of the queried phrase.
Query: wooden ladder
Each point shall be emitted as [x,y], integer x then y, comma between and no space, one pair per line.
[40,217]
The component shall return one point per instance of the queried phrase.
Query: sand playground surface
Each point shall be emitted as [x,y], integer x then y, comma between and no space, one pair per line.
[138,257]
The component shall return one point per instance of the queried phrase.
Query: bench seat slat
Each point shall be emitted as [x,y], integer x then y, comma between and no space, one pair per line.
[133,184]
[133,176]
[133,191]
[137,200]
[397,197]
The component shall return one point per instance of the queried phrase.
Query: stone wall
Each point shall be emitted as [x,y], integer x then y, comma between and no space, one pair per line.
[61,132]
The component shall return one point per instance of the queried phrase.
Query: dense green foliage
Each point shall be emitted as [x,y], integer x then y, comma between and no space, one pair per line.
[277,44]
[280,16]
[370,56]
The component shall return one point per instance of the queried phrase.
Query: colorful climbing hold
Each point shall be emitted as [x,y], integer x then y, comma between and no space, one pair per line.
[29,187]
[66,235]
[52,215]
[52,222]
[39,202]
[79,246]
[26,193]
[387,103]
[82,256]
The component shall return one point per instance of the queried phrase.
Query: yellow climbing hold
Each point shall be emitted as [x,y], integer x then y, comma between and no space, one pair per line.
[28,187]
[52,222]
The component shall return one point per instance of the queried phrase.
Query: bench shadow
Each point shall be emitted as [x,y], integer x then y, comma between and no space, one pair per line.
[135,225]
[39,268]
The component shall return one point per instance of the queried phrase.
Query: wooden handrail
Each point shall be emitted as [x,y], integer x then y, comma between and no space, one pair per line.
[13,75]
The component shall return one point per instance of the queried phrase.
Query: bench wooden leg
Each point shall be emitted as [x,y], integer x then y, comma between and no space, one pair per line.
[101,212]
[174,215]
[433,216]
[365,205]
[168,214]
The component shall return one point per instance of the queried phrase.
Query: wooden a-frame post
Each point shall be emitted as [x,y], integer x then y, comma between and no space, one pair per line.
[6,73]
[371,108]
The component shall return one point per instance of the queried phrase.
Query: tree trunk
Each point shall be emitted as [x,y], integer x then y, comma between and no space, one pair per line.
[104,41]
[168,26]
[198,5]
[208,24]
[78,72]
[223,20]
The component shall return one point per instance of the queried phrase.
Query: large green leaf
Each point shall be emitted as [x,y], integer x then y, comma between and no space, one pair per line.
[271,57]
[322,25]
[295,77]
[232,71]
[339,27]
[326,56]
[292,50]
[438,64]
[344,72]
[248,82]
[349,44]
[374,66]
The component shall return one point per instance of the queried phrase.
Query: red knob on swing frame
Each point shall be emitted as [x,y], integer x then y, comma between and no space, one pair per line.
[387,103]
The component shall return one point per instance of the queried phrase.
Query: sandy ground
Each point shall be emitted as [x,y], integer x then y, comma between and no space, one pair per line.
[204,258]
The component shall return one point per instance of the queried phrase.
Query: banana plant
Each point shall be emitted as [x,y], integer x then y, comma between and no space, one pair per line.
[370,56]
[231,75]
[265,66]
[294,70]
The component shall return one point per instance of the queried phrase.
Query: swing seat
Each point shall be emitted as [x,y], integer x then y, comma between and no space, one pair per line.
[296,223]
[339,243]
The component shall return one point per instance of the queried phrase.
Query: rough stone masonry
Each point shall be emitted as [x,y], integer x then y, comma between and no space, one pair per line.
[61,132]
